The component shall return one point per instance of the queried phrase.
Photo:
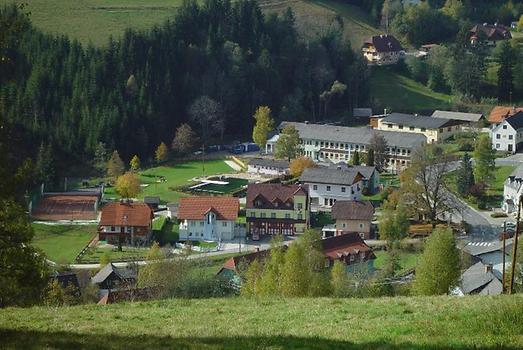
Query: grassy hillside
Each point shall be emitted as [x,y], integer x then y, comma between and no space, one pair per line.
[237,323]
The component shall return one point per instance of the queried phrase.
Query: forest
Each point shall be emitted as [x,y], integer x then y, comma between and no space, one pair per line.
[132,93]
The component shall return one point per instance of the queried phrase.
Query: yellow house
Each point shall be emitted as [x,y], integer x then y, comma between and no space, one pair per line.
[435,129]
[273,209]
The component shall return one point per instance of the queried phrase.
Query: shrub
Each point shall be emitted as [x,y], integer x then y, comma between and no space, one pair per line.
[498,215]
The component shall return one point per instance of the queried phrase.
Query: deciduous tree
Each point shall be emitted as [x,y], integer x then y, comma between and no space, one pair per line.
[264,125]
[438,268]
[288,145]
[115,166]
[128,185]
[184,140]
[135,163]
[298,165]
[340,280]
[161,153]
[378,145]
[208,114]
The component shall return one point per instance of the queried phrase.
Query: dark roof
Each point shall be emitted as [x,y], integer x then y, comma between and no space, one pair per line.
[233,263]
[352,210]
[466,117]
[346,244]
[415,121]
[478,248]
[66,279]
[335,176]
[123,273]
[356,135]
[195,208]
[366,171]
[274,163]
[492,31]
[516,121]
[126,214]
[362,112]
[384,43]
[272,193]
[476,279]
[151,200]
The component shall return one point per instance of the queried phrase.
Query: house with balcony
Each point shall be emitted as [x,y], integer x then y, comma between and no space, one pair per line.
[336,144]
[208,218]
[382,50]
[434,129]
[276,209]
[350,249]
[125,222]
[508,134]
[329,184]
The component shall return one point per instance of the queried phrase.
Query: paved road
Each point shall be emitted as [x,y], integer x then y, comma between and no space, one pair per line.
[514,160]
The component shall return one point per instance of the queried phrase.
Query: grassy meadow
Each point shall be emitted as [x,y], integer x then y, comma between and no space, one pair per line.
[407,260]
[61,243]
[243,323]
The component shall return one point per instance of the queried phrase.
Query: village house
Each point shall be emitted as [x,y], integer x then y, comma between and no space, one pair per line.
[115,278]
[230,271]
[353,216]
[337,144]
[208,218]
[152,201]
[350,249]
[500,113]
[330,184]
[512,190]
[508,135]
[478,279]
[276,209]
[382,50]
[488,34]
[371,178]
[270,167]
[125,222]
[435,129]
[466,119]
[491,254]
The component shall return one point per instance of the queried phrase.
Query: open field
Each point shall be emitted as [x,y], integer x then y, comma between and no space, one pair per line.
[407,260]
[61,243]
[398,93]
[323,323]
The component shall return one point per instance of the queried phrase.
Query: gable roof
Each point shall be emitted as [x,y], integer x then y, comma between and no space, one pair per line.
[352,210]
[384,43]
[466,117]
[346,244]
[476,279]
[479,248]
[516,121]
[419,121]
[500,113]
[335,176]
[366,171]
[273,192]
[125,213]
[273,163]
[233,263]
[195,208]
[356,135]
[492,31]
[121,272]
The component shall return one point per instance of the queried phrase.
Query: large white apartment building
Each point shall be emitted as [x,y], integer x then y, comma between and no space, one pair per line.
[336,144]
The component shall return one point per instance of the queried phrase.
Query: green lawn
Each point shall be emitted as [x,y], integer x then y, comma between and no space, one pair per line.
[407,260]
[92,256]
[398,93]
[61,243]
[479,322]
[95,20]
[176,175]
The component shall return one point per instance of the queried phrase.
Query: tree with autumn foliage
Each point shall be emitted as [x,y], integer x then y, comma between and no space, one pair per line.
[264,125]
[298,165]
[135,163]
[161,153]
[128,185]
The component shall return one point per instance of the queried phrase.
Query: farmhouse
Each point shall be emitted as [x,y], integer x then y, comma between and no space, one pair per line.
[125,222]
[466,119]
[208,218]
[350,249]
[500,113]
[435,129]
[328,185]
[382,49]
[353,216]
[513,190]
[488,34]
[336,144]
[479,279]
[276,209]
[508,135]
[271,167]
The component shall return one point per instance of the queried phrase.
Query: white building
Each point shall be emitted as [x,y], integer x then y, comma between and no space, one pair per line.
[208,218]
[513,190]
[337,144]
[327,185]
[508,135]
[271,167]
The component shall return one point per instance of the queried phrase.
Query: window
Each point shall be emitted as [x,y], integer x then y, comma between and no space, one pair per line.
[201,223]
[262,215]
[287,216]
[510,137]
[497,145]
[343,189]
[389,126]
[344,225]
[193,223]
[224,223]
[362,226]
[440,129]
[328,188]
[253,214]
[449,129]
[400,127]
[498,136]
[113,228]
[300,217]
[504,127]
[325,201]
[423,129]
[273,215]
[411,128]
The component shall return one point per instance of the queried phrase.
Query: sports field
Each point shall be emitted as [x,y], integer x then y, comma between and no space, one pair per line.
[65,207]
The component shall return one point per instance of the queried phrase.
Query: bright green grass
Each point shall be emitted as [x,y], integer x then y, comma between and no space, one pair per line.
[480,322]
[168,235]
[407,260]
[159,223]
[95,20]
[92,256]
[61,243]
[401,94]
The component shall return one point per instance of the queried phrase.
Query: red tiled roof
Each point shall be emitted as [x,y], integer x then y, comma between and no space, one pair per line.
[194,208]
[273,193]
[347,243]
[500,113]
[126,214]
[352,210]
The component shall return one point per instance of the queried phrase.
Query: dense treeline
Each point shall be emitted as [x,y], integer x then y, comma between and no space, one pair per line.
[134,92]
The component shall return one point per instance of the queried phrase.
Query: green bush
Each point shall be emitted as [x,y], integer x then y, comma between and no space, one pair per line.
[498,215]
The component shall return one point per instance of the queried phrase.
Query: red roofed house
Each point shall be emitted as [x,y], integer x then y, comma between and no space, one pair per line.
[230,270]
[276,209]
[351,250]
[125,222]
[499,113]
[208,218]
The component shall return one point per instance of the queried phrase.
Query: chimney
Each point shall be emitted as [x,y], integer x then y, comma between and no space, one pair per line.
[385,111]
[488,268]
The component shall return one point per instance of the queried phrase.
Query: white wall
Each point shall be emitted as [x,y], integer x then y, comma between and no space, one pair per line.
[201,231]
[505,138]
[319,191]
[256,169]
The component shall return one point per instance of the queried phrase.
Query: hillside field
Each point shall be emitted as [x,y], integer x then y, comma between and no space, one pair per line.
[242,323]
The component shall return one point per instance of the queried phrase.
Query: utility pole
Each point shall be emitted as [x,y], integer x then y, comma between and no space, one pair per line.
[503,273]
[515,249]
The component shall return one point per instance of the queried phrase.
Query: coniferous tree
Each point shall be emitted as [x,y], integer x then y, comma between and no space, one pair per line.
[465,175]
[506,61]
[370,158]
[135,163]
[484,157]
[356,158]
